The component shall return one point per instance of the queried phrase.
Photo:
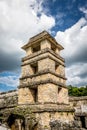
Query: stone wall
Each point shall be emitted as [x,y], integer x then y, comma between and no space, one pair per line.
[8,99]
[79,103]
[46,117]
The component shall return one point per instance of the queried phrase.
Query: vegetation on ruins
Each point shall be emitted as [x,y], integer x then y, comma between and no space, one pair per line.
[77,91]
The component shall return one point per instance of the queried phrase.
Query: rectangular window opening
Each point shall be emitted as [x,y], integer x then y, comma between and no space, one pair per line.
[34,68]
[53,48]
[36,48]
[35,95]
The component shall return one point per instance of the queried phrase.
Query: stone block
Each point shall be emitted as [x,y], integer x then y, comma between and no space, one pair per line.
[45,44]
[26,96]
[63,95]
[47,93]
[46,64]
[29,51]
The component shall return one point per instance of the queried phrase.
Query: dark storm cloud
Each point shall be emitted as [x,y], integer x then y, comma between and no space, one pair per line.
[9,62]
[83,74]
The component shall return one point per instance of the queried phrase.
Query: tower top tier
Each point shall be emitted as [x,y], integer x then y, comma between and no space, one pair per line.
[40,37]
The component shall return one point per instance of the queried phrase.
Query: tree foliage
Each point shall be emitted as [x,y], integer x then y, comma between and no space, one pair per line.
[77,91]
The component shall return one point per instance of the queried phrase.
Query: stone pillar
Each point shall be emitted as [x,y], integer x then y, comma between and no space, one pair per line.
[30,123]
[26,124]
[19,124]
[60,70]
[13,127]
[45,44]
[26,96]
[63,95]
[45,64]
[29,50]
[57,51]
[47,93]
[27,70]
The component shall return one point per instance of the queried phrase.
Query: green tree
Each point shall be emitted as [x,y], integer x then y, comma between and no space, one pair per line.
[75,91]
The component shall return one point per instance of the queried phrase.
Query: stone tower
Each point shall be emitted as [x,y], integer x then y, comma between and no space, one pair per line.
[43,72]
[42,87]
[42,95]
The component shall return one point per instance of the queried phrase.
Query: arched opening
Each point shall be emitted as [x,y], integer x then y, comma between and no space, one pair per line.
[16,122]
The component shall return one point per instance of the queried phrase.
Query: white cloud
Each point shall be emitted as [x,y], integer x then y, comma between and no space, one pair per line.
[21,17]
[19,21]
[74,40]
[77,74]
[84,10]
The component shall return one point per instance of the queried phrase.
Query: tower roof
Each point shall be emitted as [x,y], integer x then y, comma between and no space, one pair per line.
[42,36]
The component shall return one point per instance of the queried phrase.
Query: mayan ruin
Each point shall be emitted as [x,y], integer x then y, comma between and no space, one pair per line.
[41,101]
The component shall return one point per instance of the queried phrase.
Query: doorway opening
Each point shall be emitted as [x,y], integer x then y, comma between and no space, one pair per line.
[82,118]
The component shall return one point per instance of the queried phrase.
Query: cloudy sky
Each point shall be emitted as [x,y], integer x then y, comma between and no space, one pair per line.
[66,20]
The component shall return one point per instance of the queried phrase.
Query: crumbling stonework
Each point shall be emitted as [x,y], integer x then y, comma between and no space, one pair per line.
[71,125]
[8,99]
[79,103]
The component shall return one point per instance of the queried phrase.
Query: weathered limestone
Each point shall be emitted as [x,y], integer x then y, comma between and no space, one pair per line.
[29,51]
[26,96]
[79,103]
[45,44]
[46,63]
[49,92]
[71,125]
[62,95]
[8,99]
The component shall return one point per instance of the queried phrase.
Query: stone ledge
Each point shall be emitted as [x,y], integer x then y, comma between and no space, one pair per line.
[42,36]
[41,58]
[46,71]
[44,103]
[80,114]
[45,107]
[1,93]
[8,107]
[35,84]
[77,98]
[49,108]
[42,52]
